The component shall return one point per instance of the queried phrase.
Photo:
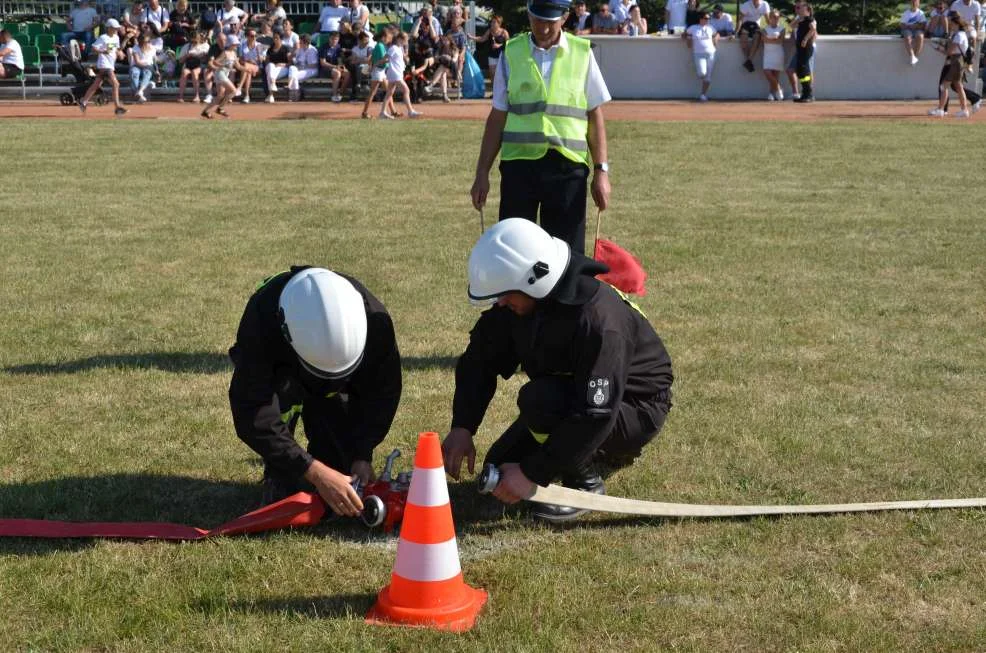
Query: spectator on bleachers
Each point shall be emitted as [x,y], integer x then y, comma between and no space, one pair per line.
[289,37]
[456,14]
[332,14]
[701,40]
[305,66]
[912,26]
[359,63]
[222,68]
[250,55]
[359,18]
[421,64]
[130,17]
[938,21]
[579,22]
[969,10]
[675,15]
[424,33]
[621,9]
[107,48]
[439,12]
[182,25]
[333,63]
[11,56]
[446,64]
[158,19]
[82,20]
[142,59]
[425,17]
[636,24]
[378,69]
[497,37]
[604,22]
[458,36]
[266,35]
[347,40]
[952,72]
[750,14]
[192,56]
[274,16]
[278,61]
[395,77]
[722,22]
[228,14]
[773,54]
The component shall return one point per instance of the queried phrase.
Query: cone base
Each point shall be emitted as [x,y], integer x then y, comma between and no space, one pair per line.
[455,618]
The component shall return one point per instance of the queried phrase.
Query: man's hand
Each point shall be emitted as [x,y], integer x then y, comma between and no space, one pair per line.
[335,488]
[600,189]
[458,445]
[364,471]
[480,189]
[513,485]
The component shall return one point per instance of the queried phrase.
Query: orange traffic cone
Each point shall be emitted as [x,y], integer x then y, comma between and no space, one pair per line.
[426,587]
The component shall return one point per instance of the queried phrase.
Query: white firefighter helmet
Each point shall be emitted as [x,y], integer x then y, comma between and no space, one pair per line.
[323,317]
[515,255]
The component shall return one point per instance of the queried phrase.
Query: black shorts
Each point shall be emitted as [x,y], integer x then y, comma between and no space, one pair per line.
[193,62]
[10,71]
[751,28]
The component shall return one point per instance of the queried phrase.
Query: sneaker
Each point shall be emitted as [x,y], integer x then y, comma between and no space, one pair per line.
[197,99]
[246,99]
[703,98]
[208,99]
[771,98]
[415,114]
[153,85]
[270,99]
[429,89]
[795,97]
[936,112]
[181,100]
[385,116]
[273,88]
[82,106]
[977,106]
[337,98]
[141,99]
[964,113]
[445,99]
[914,60]
[779,95]
[805,99]
[120,111]
[238,93]
[748,65]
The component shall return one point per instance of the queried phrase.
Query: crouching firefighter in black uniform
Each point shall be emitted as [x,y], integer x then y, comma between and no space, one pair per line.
[600,378]
[315,345]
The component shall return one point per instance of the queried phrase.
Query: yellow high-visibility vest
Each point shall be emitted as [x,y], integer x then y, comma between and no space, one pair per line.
[540,118]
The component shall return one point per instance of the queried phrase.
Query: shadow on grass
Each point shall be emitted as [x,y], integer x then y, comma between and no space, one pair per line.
[176,362]
[309,607]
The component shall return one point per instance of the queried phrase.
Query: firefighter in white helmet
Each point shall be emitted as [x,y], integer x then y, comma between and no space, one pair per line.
[600,377]
[315,345]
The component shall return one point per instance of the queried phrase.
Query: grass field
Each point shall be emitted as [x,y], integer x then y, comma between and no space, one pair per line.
[825,310]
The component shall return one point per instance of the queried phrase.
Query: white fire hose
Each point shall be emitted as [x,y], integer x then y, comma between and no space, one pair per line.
[562,496]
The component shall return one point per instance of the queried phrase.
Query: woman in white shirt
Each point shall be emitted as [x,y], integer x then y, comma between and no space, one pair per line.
[636,25]
[912,26]
[701,40]
[250,55]
[395,77]
[142,66]
[192,56]
[289,37]
[773,54]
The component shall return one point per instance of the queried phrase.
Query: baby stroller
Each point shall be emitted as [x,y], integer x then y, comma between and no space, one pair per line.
[70,64]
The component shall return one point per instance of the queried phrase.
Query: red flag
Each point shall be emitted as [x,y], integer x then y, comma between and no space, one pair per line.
[625,272]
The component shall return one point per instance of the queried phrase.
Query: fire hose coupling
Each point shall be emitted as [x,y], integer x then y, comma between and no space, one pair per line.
[488,480]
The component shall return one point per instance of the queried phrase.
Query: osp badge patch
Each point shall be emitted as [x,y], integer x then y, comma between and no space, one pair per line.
[598,391]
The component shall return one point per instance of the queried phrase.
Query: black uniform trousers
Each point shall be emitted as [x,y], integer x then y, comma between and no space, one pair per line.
[327,421]
[547,401]
[554,184]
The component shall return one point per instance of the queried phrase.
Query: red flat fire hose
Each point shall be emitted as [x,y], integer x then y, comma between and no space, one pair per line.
[301,509]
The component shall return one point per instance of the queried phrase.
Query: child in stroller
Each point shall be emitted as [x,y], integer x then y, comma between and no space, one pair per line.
[69,62]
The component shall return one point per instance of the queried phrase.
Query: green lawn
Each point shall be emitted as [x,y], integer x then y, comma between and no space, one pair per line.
[824,309]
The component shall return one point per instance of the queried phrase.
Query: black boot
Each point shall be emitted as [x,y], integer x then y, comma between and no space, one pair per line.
[806,95]
[586,479]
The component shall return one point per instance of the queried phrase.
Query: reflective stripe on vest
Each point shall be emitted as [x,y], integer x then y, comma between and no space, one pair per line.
[539,118]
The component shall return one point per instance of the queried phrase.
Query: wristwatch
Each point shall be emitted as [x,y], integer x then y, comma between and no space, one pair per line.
[603,166]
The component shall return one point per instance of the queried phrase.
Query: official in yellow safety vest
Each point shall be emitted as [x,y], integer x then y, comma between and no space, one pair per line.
[547,125]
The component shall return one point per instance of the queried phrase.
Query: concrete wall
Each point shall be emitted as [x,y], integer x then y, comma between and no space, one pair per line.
[846,68]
